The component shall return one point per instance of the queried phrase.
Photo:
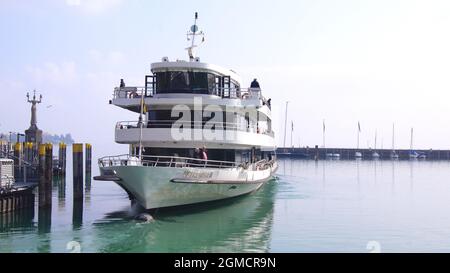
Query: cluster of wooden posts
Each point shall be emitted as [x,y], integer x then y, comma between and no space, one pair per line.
[35,165]
[47,170]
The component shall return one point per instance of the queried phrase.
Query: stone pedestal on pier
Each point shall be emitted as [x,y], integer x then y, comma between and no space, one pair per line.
[33,134]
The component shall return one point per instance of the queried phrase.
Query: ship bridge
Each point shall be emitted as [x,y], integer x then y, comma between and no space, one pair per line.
[178,82]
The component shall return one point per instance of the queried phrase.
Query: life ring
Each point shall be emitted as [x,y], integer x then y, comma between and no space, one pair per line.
[133,94]
[245,96]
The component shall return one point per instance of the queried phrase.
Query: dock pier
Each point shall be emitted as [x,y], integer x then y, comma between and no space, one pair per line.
[349,153]
[30,164]
[15,198]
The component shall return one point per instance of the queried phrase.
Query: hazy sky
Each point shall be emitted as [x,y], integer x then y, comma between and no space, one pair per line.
[378,62]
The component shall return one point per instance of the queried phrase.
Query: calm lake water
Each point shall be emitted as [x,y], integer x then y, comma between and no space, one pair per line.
[324,206]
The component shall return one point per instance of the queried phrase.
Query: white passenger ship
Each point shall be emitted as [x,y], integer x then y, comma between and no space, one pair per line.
[200,136]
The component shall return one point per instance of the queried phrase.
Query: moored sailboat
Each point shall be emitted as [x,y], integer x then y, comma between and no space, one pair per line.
[358,154]
[393,154]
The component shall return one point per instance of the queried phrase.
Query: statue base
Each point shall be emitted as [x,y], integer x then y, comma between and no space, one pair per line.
[33,135]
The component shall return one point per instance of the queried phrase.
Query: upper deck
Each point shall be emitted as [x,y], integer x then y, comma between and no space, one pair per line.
[178,82]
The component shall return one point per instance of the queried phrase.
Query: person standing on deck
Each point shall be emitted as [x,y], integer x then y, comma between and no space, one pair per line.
[254,84]
[203,153]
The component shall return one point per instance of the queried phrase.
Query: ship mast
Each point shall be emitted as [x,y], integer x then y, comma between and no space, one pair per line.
[192,33]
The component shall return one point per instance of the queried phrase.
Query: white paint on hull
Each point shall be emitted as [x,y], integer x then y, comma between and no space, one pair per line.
[152,186]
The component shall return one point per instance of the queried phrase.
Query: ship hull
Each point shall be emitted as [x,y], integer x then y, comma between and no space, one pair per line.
[158,187]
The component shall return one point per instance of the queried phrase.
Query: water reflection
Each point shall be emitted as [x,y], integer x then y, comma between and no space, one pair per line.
[77,214]
[234,225]
[323,173]
[298,213]
[61,192]
[22,219]
[393,162]
[44,219]
[375,163]
[358,180]
[87,189]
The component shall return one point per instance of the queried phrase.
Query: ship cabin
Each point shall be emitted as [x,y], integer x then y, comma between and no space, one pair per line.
[185,78]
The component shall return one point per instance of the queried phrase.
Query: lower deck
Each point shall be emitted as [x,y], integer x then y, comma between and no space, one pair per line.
[229,155]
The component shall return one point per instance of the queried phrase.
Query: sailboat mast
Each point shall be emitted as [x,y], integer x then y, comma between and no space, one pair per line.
[357,138]
[375,140]
[393,139]
[285,124]
[411,144]
[292,130]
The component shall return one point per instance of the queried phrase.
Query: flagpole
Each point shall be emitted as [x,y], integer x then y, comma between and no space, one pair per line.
[140,126]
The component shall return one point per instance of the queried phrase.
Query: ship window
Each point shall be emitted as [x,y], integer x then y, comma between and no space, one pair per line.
[179,81]
[185,82]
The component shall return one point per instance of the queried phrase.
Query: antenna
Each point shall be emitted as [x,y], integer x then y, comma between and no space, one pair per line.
[192,33]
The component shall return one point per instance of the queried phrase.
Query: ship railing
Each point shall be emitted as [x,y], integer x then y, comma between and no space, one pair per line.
[132,92]
[124,125]
[236,92]
[164,161]
[263,164]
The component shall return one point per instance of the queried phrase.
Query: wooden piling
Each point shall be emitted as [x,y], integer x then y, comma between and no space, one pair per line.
[44,220]
[62,159]
[18,160]
[77,214]
[27,156]
[64,167]
[88,158]
[77,171]
[88,165]
[48,172]
[43,176]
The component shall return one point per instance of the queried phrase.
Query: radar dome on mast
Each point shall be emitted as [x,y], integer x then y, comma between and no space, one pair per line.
[192,33]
